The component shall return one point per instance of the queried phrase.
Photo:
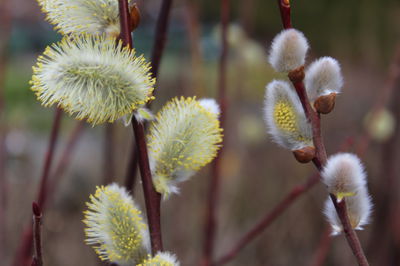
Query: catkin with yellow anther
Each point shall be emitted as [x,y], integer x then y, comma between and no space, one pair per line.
[92,77]
[115,227]
[344,175]
[83,16]
[184,137]
[285,118]
[161,259]
[359,208]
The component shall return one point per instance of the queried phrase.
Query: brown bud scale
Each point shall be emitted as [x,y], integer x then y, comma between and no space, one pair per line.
[134,17]
[297,75]
[304,155]
[325,104]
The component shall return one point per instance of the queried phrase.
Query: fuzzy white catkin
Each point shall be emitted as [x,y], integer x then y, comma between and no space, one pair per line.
[359,208]
[115,227]
[184,137]
[323,77]
[344,175]
[83,16]
[161,259]
[210,105]
[288,50]
[285,118]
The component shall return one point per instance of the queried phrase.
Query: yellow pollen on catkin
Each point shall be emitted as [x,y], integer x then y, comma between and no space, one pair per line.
[83,16]
[158,260]
[114,226]
[92,77]
[285,117]
[183,138]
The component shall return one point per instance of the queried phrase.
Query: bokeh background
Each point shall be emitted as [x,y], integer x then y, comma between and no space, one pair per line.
[362,35]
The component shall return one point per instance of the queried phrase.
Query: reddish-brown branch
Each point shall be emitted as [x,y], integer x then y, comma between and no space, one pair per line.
[214,187]
[322,248]
[25,248]
[49,158]
[156,56]
[152,198]
[284,8]
[160,36]
[297,76]
[271,216]
[37,243]
[65,158]
[320,160]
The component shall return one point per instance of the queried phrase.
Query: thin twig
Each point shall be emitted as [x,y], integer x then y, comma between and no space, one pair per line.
[214,187]
[160,40]
[37,243]
[65,158]
[271,216]
[322,248]
[25,248]
[387,198]
[320,157]
[26,240]
[160,36]
[42,194]
[152,197]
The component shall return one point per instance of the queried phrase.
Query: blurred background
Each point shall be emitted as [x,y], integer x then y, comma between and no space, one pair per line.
[256,174]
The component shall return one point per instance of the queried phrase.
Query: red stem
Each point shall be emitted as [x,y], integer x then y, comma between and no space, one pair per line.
[284,8]
[37,220]
[156,56]
[65,158]
[320,157]
[25,248]
[160,36]
[152,198]
[322,248]
[49,158]
[214,187]
[271,216]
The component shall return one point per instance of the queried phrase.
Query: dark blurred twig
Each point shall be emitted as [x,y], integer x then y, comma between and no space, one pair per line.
[271,216]
[322,248]
[214,187]
[385,220]
[25,247]
[37,243]
[65,158]
[5,29]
